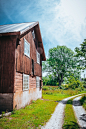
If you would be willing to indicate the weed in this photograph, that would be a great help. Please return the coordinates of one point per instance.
(3, 113)
(83, 101)
(45, 88)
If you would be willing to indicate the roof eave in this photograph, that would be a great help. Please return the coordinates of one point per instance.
(29, 28)
(9, 33)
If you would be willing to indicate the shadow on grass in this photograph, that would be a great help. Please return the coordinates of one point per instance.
(75, 102)
(63, 101)
(72, 125)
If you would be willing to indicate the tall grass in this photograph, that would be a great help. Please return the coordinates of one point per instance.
(83, 101)
(49, 90)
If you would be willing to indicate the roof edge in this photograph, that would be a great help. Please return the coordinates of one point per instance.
(30, 27)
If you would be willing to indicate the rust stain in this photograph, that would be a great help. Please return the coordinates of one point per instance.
(31, 90)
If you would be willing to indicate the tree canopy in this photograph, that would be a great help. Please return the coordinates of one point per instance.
(81, 54)
(60, 62)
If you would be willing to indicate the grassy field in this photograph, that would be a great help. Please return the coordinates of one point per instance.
(38, 112)
(31, 116)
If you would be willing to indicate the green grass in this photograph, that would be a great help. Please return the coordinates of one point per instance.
(83, 101)
(49, 90)
(31, 116)
(38, 112)
(70, 121)
(57, 97)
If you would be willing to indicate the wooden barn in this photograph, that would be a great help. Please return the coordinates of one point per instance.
(21, 56)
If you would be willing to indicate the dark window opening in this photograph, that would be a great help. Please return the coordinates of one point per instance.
(33, 34)
(36, 44)
(32, 66)
(40, 84)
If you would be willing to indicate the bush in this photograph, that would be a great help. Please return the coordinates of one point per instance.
(45, 88)
(64, 86)
(83, 101)
(73, 85)
(84, 84)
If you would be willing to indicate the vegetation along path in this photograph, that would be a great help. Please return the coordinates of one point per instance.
(79, 112)
(56, 121)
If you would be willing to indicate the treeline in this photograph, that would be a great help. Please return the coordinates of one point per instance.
(64, 66)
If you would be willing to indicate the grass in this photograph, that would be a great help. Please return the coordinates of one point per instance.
(83, 101)
(38, 112)
(49, 90)
(31, 116)
(70, 121)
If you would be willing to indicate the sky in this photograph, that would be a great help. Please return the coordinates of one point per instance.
(62, 22)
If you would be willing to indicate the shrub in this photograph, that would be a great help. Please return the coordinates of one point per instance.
(64, 86)
(83, 101)
(84, 84)
(75, 84)
(45, 88)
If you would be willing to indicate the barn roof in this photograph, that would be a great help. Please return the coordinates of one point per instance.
(21, 29)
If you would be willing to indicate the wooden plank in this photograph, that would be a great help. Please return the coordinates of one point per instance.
(7, 61)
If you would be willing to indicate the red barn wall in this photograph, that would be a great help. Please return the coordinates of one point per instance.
(22, 98)
(13, 63)
(24, 63)
(7, 64)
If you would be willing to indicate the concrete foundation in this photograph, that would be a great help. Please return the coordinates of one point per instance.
(18, 100)
(6, 102)
(21, 99)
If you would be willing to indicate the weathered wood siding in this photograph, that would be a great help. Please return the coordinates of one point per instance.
(32, 82)
(7, 62)
(13, 59)
(18, 82)
(38, 70)
(24, 63)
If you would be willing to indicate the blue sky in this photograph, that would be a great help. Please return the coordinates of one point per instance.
(62, 22)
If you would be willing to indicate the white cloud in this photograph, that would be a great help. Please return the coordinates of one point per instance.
(67, 23)
(75, 9)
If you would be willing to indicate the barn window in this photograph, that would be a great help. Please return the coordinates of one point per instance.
(37, 81)
(38, 58)
(26, 48)
(33, 34)
(25, 82)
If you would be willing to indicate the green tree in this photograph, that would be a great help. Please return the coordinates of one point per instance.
(81, 55)
(50, 80)
(45, 80)
(60, 62)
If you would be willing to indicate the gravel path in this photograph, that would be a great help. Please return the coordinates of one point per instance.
(80, 113)
(56, 120)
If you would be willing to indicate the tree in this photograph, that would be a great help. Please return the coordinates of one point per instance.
(50, 80)
(81, 55)
(60, 62)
